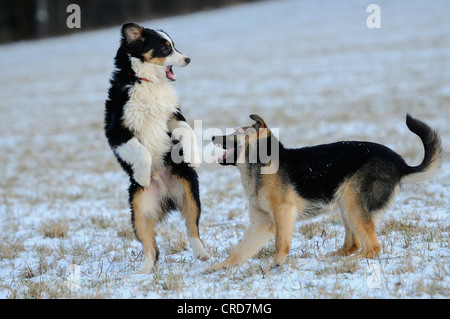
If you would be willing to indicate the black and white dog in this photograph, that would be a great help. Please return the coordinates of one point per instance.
(143, 123)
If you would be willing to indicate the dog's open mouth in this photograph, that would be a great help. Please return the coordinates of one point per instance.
(228, 151)
(169, 74)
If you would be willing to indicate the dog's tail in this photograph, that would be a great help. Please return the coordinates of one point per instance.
(433, 157)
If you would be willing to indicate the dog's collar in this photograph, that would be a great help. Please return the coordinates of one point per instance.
(138, 78)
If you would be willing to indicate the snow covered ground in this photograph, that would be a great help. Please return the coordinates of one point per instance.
(310, 68)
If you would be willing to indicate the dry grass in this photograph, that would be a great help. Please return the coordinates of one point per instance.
(10, 248)
(54, 229)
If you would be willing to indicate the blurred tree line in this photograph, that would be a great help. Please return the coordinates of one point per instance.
(29, 19)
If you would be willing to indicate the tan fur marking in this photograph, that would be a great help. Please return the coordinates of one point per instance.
(260, 134)
(145, 228)
(263, 133)
(253, 135)
(284, 205)
(259, 232)
(191, 213)
(259, 120)
(148, 56)
(285, 216)
(190, 210)
(273, 188)
(351, 242)
(361, 223)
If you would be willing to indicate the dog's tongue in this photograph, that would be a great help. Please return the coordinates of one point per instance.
(227, 153)
(169, 73)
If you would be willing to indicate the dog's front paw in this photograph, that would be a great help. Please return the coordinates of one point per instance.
(193, 160)
(194, 165)
(220, 266)
(197, 160)
(275, 267)
(146, 268)
(142, 175)
(199, 250)
(203, 256)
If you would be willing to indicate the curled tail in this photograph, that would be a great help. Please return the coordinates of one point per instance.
(433, 150)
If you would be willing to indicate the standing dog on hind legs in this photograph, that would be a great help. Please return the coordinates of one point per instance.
(361, 178)
(143, 123)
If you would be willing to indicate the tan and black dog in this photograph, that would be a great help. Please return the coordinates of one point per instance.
(360, 178)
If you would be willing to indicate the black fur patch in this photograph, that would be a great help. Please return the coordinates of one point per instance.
(318, 171)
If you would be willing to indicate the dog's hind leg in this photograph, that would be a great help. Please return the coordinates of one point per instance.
(351, 242)
(260, 231)
(361, 222)
(145, 205)
(366, 231)
(191, 210)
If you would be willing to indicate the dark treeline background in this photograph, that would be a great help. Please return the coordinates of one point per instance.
(30, 19)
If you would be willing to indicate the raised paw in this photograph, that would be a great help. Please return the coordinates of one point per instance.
(142, 175)
(193, 160)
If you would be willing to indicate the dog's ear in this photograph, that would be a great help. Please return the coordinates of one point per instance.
(131, 32)
(259, 121)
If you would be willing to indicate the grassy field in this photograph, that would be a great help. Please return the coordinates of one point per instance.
(314, 71)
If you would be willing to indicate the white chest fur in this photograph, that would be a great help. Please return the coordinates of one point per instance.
(146, 114)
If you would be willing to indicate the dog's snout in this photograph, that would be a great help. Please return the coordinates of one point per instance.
(213, 138)
(187, 60)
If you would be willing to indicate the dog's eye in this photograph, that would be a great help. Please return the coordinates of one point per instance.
(166, 49)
